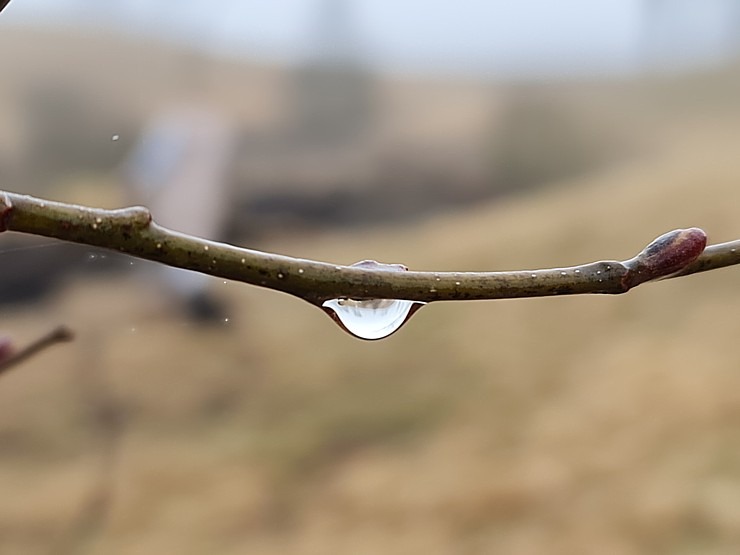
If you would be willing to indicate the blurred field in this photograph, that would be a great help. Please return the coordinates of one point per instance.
(559, 426)
(571, 425)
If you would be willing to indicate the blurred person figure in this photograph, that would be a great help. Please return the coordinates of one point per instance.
(180, 170)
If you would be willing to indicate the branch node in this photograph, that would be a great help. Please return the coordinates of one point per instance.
(138, 217)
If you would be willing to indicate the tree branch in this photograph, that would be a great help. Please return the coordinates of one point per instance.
(60, 334)
(132, 231)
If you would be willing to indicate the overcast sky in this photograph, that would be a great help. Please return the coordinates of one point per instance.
(497, 36)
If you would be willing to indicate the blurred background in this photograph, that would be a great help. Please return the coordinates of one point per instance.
(193, 415)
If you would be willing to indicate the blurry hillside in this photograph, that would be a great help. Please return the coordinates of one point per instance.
(425, 143)
(560, 426)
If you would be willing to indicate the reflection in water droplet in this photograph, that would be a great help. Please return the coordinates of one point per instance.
(371, 319)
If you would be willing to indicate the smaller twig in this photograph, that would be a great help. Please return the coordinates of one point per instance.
(60, 334)
(3, 3)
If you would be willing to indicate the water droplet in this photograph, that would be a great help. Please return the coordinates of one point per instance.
(244, 261)
(280, 276)
(576, 271)
(159, 245)
(598, 272)
(205, 247)
(457, 283)
(300, 270)
(372, 318)
(115, 137)
(563, 273)
(95, 226)
(608, 268)
(432, 290)
(533, 276)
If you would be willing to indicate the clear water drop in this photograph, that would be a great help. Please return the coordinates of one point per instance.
(372, 318)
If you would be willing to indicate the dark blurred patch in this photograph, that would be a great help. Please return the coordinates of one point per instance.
(68, 130)
(542, 137)
(32, 268)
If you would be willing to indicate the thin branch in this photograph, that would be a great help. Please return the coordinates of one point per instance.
(132, 231)
(60, 334)
(3, 3)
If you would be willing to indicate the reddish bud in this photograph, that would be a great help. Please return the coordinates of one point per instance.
(668, 254)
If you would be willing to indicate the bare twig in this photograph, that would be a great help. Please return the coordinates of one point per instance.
(132, 231)
(3, 3)
(60, 334)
